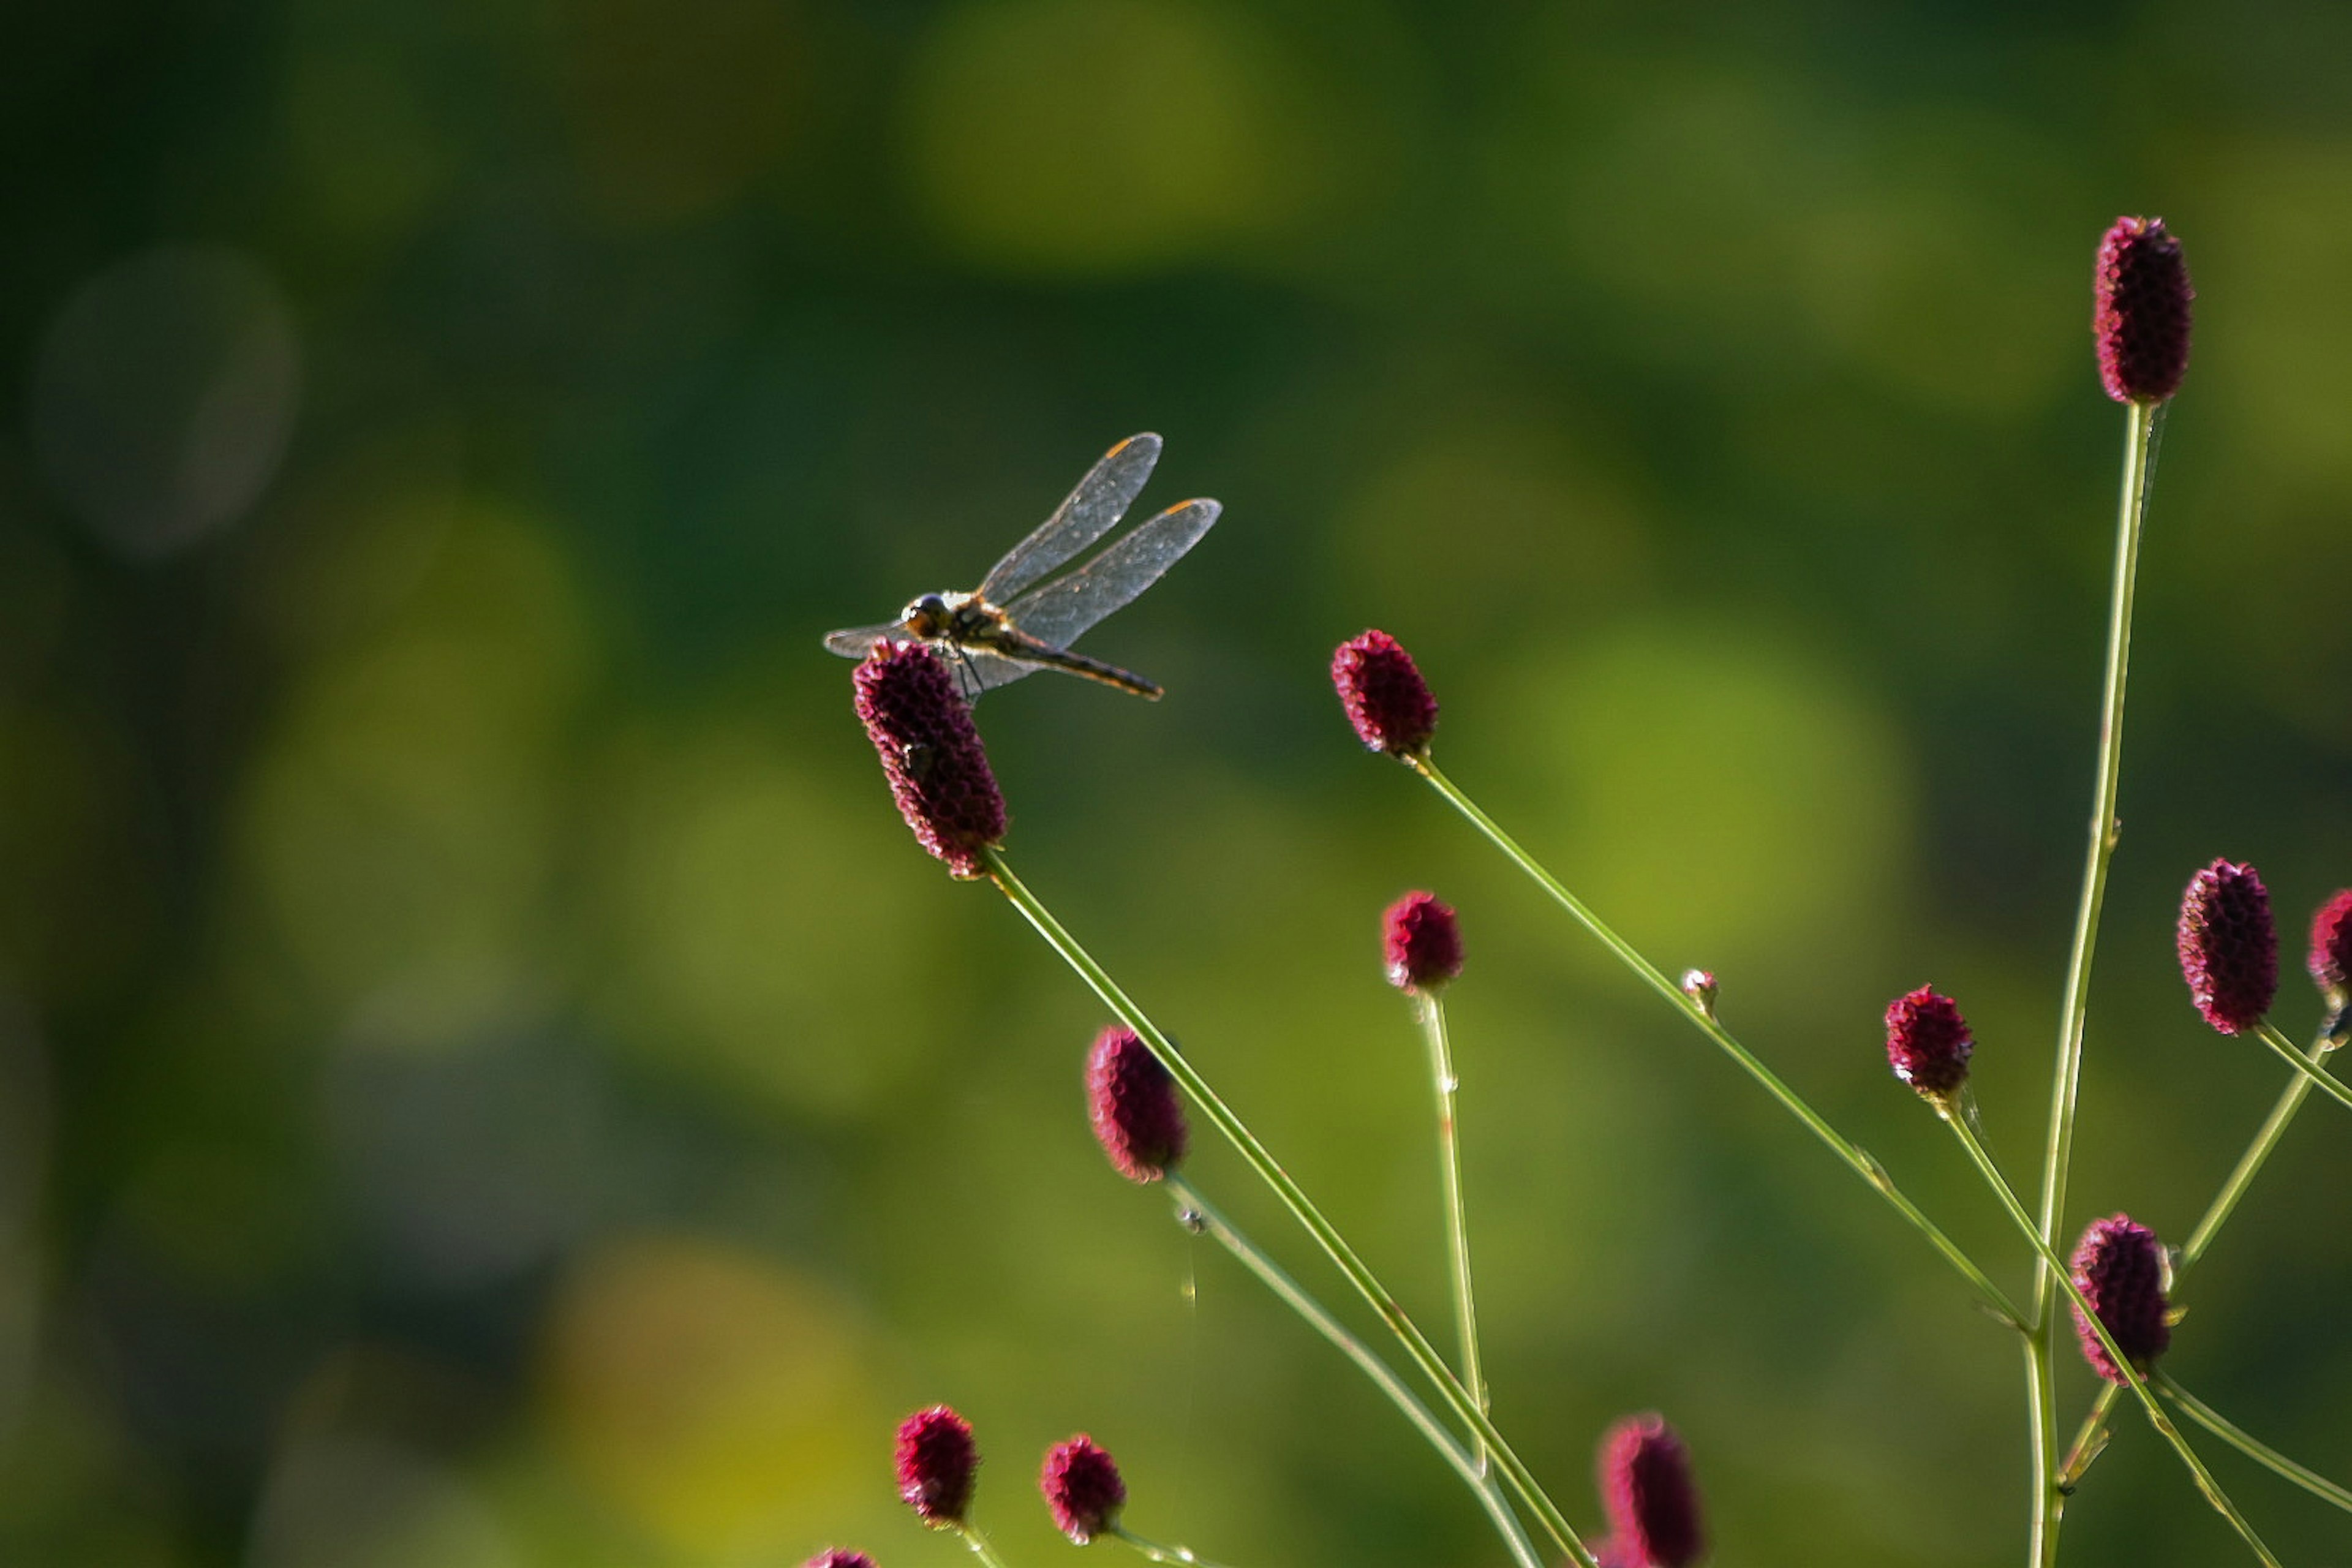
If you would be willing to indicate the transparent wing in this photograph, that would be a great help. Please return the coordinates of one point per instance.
(1062, 609)
(1086, 514)
(859, 641)
(985, 670)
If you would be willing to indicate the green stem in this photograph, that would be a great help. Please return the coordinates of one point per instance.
(1335, 1246)
(1195, 1212)
(2156, 1416)
(2263, 1454)
(980, 1546)
(1178, 1556)
(1431, 1005)
(2041, 1415)
(1855, 1157)
(2059, 1152)
(2307, 1066)
(2090, 1440)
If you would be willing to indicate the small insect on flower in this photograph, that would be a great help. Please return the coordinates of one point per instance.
(1652, 1501)
(1422, 942)
(931, 755)
(2229, 948)
(937, 1465)
(2119, 1268)
(1022, 617)
(1082, 1485)
(1929, 1043)
(1132, 1101)
(1386, 698)
(2140, 313)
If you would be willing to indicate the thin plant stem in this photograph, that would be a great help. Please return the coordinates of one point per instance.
(2307, 1066)
(2156, 1416)
(1430, 1007)
(2041, 1416)
(1859, 1160)
(980, 1546)
(1195, 1212)
(1178, 1556)
(2083, 1454)
(1335, 1246)
(2262, 1452)
(2066, 1079)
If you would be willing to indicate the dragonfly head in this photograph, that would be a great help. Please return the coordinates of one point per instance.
(925, 618)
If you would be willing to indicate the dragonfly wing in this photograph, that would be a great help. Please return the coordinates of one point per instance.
(985, 670)
(1062, 609)
(1084, 515)
(859, 641)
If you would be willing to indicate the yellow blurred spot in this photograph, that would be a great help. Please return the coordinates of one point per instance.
(1726, 800)
(1087, 135)
(399, 827)
(752, 943)
(722, 1401)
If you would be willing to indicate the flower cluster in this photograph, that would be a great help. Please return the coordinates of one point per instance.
(1132, 1101)
(1386, 698)
(1647, 1492)
(2140, 314)
(2120, 1268)
(1929, 1043)
(1422, 942)
(931, 755)
(2229, 948)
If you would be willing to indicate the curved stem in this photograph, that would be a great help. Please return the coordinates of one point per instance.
(1430, 1007)
(1335, 1246)
(1858, 1159)
(2156, 1416)
(2058, 1152)
(980, 1546)
(1178, 1556)
(1195, 1212)
(2307, 1066)
(2263, 1454)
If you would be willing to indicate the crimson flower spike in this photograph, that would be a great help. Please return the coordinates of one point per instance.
(1082, 1485)
(2331, 948)
(1422, 942)
(1132, 1101)
(931, 755)
(938, 1464)
(2119, 1266)
(1929, 1043)
(1652, 1501)
(1386, 698)
(2140, 314)
(2229, 948)
(839, 1557)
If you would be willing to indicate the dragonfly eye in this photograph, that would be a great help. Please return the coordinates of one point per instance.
(925, 615)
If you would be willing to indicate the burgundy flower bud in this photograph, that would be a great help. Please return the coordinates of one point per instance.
(1138, 1118)
(938, 772)
(1081, 1484)
(937, 1464)
(1699, 986)
(1386, 698)
(839, 1557)
(1929, 1043)
(2229, 948)
(1646, 1486)
(1424, 943)
(2331, 944)
(2119, 1269)
(2141, 313)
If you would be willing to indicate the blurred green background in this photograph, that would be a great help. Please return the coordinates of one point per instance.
(487, 1080)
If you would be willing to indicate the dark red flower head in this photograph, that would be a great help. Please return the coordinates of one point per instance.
(1424, 943)
(2119, 1268)
(1646, 1486)
(2229, 948)
(1138, 1118)
(1927, 1042)
(2141, 312)
(938, 772)
(1082, 1485)
(2331, 945)
(839, 1557)
(937, 1464)
(1386, 698)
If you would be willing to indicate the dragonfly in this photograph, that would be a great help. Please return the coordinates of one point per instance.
(1028, 610)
